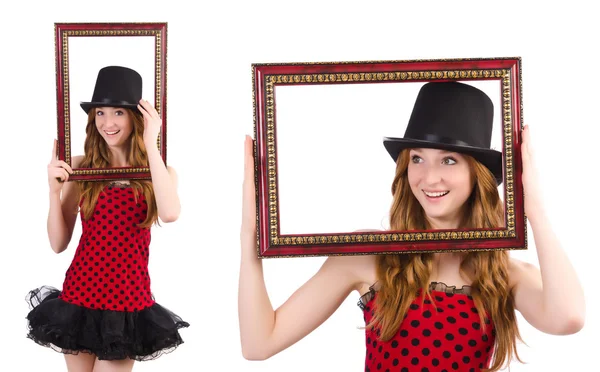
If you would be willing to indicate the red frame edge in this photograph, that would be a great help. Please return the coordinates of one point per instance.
(59, 28)
(266, 250)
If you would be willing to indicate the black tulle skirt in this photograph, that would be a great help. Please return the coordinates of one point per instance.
(110, 335)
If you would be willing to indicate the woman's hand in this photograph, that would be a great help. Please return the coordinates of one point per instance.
(531, 189)
(164, 180)
(248, 232)
(540, 294)
(64, 198)
(152, 123)
(58, 172)
(264, 331)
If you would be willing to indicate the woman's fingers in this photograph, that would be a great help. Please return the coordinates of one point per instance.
(54, 154)
(60, 174)
(249, 198)
(145, 113)
(65, 175)
(61, 164)
(65, 166)
(148, 108)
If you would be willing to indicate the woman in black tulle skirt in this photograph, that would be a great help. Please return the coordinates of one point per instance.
(105, 316)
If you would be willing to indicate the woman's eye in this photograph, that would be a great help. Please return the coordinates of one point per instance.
(118, 112)
(416, 159)
(99, 113)
(449, 161)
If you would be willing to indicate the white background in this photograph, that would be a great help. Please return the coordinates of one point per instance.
(330, 137)
(87, 55)
(195, 261)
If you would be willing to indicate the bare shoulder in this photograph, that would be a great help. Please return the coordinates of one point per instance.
(76, 160)
(361, 269)
(172, 173)
(519, 270)
(355, 263)
(516, 266)
(71, 189)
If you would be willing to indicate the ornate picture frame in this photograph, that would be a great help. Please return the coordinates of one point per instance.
(267, 78)
(154, 37)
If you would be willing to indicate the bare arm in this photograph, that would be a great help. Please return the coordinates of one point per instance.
(64, 198)
(164, 179)
(265, 332)
(550, 298)
(164, 182)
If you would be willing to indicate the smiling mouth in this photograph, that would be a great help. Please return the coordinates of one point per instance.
(435, 194)
(112, 133)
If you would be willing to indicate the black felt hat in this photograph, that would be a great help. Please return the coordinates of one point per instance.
(116, 86)
(451, 116)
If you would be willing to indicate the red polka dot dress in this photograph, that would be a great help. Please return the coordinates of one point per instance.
(106, 306)
(442, 336)
(110, 267)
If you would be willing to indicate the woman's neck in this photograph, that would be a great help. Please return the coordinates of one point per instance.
(452, 222)
(443, 223)
(118, 157)
(447, 269)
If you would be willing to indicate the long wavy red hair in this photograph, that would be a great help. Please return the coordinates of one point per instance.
(401, 276)
(98, 155)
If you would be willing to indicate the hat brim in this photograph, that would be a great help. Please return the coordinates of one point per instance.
(87, 106)
(492, 159)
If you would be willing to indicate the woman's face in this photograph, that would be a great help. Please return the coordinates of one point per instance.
(442, 182)
(114, 125)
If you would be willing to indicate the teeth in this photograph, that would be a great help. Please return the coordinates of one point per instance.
(435, 194)
(111, 133)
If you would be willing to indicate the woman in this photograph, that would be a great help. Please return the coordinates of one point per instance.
(105, 316)
(429, 311)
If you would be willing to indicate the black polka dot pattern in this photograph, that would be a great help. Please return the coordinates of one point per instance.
(445, 334)
(110, 267)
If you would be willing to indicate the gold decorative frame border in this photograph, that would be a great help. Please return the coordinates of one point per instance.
(65, 34)
(504, 75)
